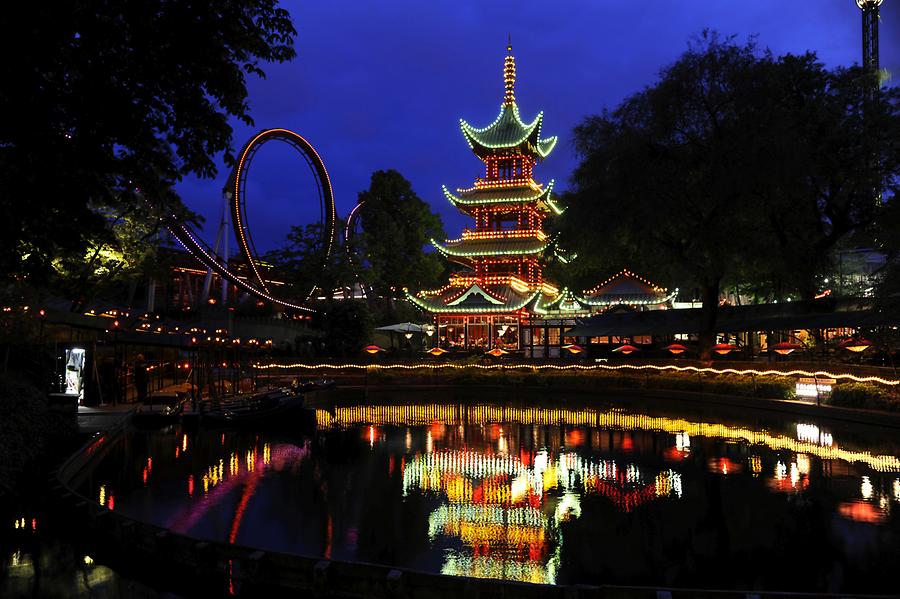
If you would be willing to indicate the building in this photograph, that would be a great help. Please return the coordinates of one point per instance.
(501, 299)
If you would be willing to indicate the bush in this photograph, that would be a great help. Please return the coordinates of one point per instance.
(864, 395)
(26, 424)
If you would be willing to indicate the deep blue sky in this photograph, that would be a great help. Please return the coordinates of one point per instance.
(378, 85)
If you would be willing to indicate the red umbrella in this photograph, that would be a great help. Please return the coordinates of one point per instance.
(372, 349)
(724, 349)
(675, 348)
(785, 347)
(627, 349)
(497, 352)
(437, 351)
(575, 349)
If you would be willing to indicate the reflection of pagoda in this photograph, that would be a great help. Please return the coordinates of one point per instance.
(503, 253)
(505, 510)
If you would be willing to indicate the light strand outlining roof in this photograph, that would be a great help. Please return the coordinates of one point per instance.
(539, 193)
(503, 309)
(534, 248)
(627, 273)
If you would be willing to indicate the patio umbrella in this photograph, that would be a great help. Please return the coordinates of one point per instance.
(723, 349)
(675, 348)
(856, 344)
(626, 349)
(785, 347)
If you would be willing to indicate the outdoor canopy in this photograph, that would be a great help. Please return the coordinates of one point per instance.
(403, 327)
(732, 319)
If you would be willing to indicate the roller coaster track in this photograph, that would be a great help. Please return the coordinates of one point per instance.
(254, 284)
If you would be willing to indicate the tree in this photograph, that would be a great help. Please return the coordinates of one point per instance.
(107, 105)
(346, 325)
(396, 226)
(302, 263)
(726, 171)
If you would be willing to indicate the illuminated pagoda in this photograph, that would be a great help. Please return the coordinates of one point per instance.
(503, 284)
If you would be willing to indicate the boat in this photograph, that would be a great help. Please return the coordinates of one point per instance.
(313, 385)
(159, 409)
(280, 406)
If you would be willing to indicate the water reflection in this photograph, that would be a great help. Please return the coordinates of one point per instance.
(524, 493)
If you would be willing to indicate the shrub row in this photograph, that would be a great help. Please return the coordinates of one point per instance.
(865, 395)
(767, 387)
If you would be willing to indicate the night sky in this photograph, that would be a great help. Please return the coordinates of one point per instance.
(378, 85)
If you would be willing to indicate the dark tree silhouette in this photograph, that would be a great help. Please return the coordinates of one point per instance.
(108, 104)
(734, 167)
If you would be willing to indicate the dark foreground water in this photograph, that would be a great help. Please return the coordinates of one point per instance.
(607, 494)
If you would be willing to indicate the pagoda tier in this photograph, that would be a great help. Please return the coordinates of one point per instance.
(485, 198)
(508, 133)
(496, 294)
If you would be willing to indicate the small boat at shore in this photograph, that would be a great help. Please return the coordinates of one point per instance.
(160, 409)
(280, 406)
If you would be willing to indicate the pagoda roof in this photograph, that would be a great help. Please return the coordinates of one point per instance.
(626, 288)
(474, 298)
(508, 132)
(500, 246)
(521, 194)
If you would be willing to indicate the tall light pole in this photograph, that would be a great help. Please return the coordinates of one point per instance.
(869, 10)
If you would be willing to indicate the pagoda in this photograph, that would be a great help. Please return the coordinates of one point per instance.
(501, 286)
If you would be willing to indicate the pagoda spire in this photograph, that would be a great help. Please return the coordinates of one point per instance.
(509, 75)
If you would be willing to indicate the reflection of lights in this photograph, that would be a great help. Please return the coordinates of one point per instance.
(897, 489)
(458, 563)
(795, 474)
(101, 498)
(407, 415)
(519, 487)
(756, 465)
(184, 443)
(429, 442)
(866, 488)
(780, 470)
(668, 482)
(569, 507)
(860, 511)
(803, 463)
(682, 441)
(88, 560)
(811, 434)
(371, 437)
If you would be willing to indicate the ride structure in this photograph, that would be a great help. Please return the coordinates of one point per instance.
(870, 19)
(253, 282)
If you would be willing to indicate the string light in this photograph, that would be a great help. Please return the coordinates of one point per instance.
(589, 367)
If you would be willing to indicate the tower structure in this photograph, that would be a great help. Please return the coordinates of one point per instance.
(870, 17)
(502, 252)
